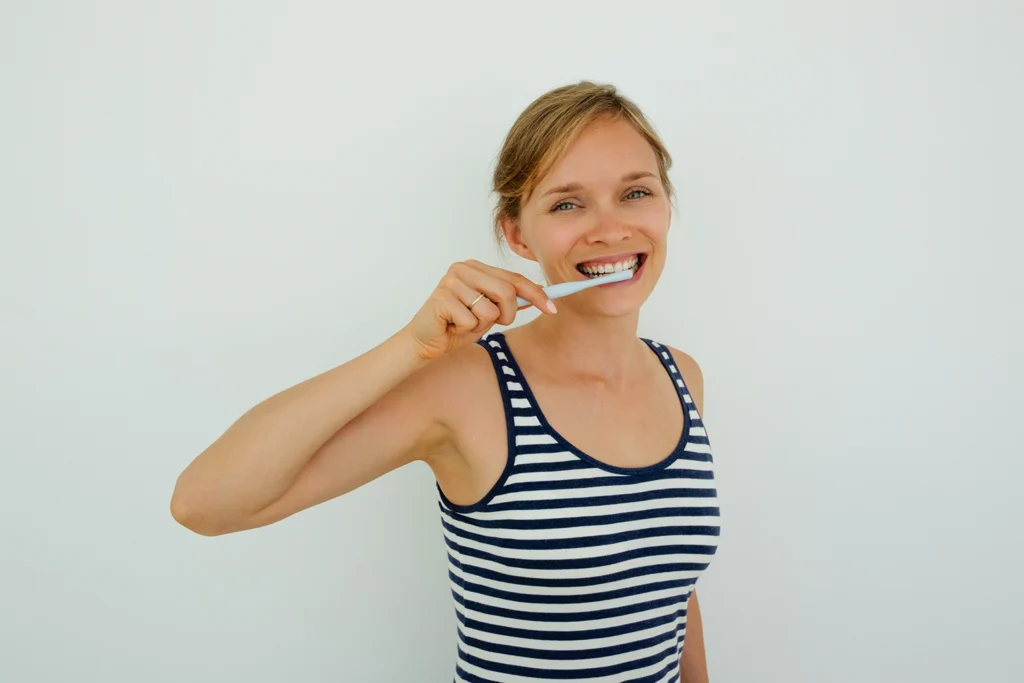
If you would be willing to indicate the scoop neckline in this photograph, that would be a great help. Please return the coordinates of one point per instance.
(580, 453)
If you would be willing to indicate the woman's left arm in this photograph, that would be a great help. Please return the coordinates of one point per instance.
(693, 666)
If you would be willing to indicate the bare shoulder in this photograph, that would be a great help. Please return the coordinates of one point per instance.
(462, 372)
(455, 383)
(692, 375)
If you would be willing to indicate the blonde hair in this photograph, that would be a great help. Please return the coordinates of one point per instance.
(546, 128)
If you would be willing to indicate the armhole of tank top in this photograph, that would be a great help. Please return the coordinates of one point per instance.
(506, 404)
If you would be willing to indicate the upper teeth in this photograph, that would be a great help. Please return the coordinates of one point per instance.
(602, 268)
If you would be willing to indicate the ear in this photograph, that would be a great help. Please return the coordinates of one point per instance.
(514, 238)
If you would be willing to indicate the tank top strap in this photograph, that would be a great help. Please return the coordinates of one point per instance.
(697, 431)
(512, 384)
(665, 356)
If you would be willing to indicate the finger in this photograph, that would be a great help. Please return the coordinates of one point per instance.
(524, 287)
(501, 292)
(484, 309)
(477, 302)
(455, 312)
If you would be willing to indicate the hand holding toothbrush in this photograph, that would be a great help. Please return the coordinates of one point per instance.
(472, 297)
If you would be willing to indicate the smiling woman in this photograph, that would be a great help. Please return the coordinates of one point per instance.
(575, 480)
(602, 204)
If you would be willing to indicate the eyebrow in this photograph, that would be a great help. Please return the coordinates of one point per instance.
(574, 187)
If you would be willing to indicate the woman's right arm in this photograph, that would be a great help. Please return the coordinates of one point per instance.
(339, 430)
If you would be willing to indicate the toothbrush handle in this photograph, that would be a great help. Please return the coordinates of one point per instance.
(571, 287)
(557, 291)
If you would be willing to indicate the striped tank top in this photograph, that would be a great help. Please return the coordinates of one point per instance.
(573, 569)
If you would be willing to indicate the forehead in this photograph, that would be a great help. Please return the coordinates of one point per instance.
(602, 153)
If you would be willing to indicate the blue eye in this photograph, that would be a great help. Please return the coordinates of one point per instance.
(641, 193)
(558, 207)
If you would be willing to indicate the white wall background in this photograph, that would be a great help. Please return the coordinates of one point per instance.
(203, 203)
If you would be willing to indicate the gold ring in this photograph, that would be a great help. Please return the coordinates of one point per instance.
(476, 301)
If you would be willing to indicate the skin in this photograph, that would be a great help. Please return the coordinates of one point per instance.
(429, 393)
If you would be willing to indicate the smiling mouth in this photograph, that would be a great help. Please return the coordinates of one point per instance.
(592, 270)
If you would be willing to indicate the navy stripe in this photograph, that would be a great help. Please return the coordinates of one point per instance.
(549, 448)
(583, 562)
(562, 466)
(656, 677)
(621, 480)
(577, 582)
(583, 541)
(593, 520)
(591, 653)
(470, 678)
(581, 634)
(597, 501)
(570, 598)
(564, 617)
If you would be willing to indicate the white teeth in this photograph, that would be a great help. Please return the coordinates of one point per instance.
(604, 268)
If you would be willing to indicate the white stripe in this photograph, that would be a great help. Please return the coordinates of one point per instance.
(516, 386)
(588, 572)
(601, 551)
(558, 475)
(617, 490)
(566, 626)
(535, 458)
(694, 415)
(697, 447)
(502, 356)
(534, 439)
(688, 464)
(507, 370)
(526, 421)
(698, 431)
(597, 510)
(526, 589)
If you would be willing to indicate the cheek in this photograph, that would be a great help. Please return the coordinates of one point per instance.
(553, 239)
(656, 222)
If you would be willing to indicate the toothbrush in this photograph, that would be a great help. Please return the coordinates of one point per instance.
(566, 288)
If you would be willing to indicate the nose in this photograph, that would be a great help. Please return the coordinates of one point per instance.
(608, 228)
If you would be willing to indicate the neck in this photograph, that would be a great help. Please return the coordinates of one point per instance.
(603, 349)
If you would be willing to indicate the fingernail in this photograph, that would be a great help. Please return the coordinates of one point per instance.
(551, 306)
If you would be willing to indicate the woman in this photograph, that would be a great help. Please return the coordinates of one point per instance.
(573, 471)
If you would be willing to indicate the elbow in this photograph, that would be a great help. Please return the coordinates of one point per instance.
(191, 516)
